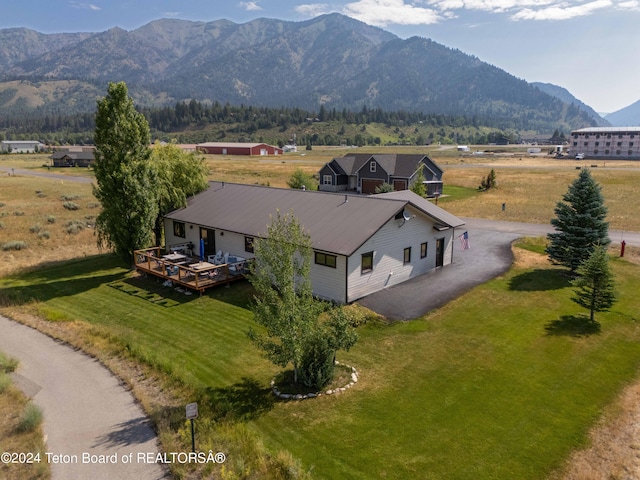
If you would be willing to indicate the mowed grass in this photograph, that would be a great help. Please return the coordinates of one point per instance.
(499, 384)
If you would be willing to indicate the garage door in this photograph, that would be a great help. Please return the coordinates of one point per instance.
(369, 186)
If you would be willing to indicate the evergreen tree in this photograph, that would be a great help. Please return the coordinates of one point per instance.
(418, 186)
(580, 223)
(300, 179)
(126, 182)
(596, 290)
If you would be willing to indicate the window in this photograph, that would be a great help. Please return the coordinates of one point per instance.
(366, 264)
(372, 167)
(423, 250)
(327, 180)
(325, 259)
(597, 143)
(619, 144)
(608, 144)
(248, 244)
(575, 144)
(586, 144)
(631, 144)
(407, 255)
(178, 229)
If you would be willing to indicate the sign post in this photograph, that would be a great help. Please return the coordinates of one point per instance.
(192, 413)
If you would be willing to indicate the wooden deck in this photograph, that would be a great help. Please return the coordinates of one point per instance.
(188, 272)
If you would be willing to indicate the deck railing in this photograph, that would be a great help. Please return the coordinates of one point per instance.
(189, 272)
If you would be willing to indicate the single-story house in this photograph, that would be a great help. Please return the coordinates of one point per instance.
(221, 148)
(361, 244)
(21, 146)
(363, 173)
(72, 158)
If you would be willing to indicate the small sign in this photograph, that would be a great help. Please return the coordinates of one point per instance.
(192, 411)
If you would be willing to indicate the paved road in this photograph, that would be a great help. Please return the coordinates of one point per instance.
(54, 176)
(86, 409)
(489, 256)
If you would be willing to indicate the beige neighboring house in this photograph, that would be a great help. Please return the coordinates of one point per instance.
(361, 244)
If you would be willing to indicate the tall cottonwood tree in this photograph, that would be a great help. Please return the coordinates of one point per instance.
(580, 223)
(126, 182)
(180, 175)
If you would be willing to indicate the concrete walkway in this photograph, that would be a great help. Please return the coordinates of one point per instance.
(86, 410)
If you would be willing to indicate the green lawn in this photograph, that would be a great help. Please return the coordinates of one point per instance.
(498, 384)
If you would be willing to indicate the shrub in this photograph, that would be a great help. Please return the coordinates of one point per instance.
(51, 219)
(384, 188)
(71, 206)
(7, 364)
(93, 205)
(30, 419)
(18, 213)
(14, 245)
(317, 367)
(1, 225)
(35, 228)
(68, 198)
(40, 194)
(44, 235)
(2, 204)
(73, 227)
(5, 381)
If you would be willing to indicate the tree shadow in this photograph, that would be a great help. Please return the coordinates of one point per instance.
(245, 400)
(132, 432)
(540, 280)
(573, 326)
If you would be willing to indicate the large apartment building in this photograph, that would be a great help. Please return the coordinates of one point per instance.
(615, 143)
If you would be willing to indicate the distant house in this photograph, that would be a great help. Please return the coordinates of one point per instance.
(21, 146)
(220, 148)
(73, 158)
(363, 173)
(361, 244)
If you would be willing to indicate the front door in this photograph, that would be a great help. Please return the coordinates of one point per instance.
(439, 252)
(208, 237)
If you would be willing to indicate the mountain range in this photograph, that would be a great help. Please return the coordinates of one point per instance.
(331, 60)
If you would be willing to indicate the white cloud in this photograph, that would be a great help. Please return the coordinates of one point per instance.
(426, 12)
(313, 9)
(250, 6)
(562, 11)
(171, 14)
(86, 6)
(630, 5)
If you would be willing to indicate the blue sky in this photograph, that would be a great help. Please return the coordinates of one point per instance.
(590, 47)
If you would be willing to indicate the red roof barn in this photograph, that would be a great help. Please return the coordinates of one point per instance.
(238, 148)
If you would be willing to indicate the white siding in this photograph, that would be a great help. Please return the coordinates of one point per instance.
(330, 283)
(388, 246)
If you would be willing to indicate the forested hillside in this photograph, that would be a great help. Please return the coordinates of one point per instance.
(331, 61)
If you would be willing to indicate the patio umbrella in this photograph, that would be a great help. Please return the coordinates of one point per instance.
(202, 249)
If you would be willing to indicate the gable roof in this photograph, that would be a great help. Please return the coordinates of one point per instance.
(60, 154)
(395, 164)
(337, 223)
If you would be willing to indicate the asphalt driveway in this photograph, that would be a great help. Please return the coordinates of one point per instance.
(489, 256)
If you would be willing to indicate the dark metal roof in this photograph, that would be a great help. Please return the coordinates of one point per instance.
(337, 223)
(88, 155)
(395, 164)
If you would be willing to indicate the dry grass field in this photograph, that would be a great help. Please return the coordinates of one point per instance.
(32, 208)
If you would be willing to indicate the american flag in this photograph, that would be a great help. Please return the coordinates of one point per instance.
(464, 241)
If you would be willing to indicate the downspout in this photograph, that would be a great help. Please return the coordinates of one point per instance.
(346, 279)
(452, 239)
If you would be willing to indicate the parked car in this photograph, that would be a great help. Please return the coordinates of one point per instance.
(580, 156)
